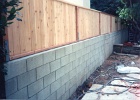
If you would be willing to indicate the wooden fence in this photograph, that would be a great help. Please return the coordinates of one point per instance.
(50, 23)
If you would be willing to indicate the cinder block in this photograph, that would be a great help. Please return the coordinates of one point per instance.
(43, 94)
(86, 57)
(92, 47)
(72, 82)
(66, 95)
(52, 97)
(15, 68)
(68, 67)
(80, 60)
(68, 49)
(49, 56)
(76, 47)
(26, 78)
(84, 51)
(65, 78)
(65, 60)
(21, 94)
(86, 43)
(55, 65)
(11, 86)
(83, 79)
(60, 53)
(67, 86)
(88, 62)
(33, 97)
(49, 79)
(75, 63)
(83, 65)
(60, 72)
(60, 98)
(35, 87)
(73, 89)
(34, 62)
(43, 71)
(78, 53)
(56, 85)
(72, 56)
(60, 91)
(73, 73)
(78, 68)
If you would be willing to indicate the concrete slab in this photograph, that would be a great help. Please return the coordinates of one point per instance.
(137, 76)
(110, 89)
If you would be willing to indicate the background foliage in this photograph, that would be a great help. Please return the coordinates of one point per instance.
(127, 10)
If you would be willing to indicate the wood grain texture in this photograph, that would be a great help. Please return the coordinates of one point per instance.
(88, 23)
(50, 23)
(105, 23)
(45, 24)
(114, 24)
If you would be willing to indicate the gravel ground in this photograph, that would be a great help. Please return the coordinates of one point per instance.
(98, 76)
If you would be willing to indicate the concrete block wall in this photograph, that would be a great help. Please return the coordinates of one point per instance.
(55, 74)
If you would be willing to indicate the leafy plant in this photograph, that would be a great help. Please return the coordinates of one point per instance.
(9, 10)
(130, 15)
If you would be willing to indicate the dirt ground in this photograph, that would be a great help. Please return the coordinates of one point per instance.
(104, 73)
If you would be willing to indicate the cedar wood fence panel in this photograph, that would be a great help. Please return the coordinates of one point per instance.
(50, 23)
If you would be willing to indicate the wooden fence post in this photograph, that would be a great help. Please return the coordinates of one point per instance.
(99, 23)
(110, 24)
(77, 27)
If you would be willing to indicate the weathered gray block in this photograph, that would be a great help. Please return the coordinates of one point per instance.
(56, 85)
(65, 60)
(26, 78)
(43, 71)
(86, 43)
(21, 94)
(73, 73)
(76, 47)
(60, 53)
(43, 94)
(11, 86)
(49, 79)
(34, 62)
(55, 65)
(76, 63)
(15, 68)
(35, 87)
(60, 98)
(81, 60)
(49, 56)
(72, 82)
(72, 57)
(66, 95)
(60, 72)
(69, 67)
(88, 62)
(78, 53)
(65, 78)
(88, 49)
(73, 89)
(52, 97)
(60, 91)
(68, 49)
(33, 97)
